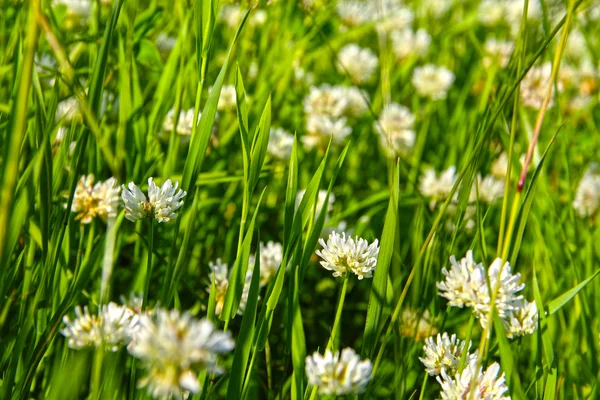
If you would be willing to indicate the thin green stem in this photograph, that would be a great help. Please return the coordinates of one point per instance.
(149, 266)
(338, 314)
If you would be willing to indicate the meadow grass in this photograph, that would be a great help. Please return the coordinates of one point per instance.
(193, 92)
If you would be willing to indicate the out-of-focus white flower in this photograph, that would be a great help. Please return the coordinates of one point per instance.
(321, 195)
(577, 45)
(432, 81)
(587, 197)
(500, 166)
(359, 63)
(338, 375)
(232, 15)
(321, 128)
(46, 65)
(253, 70)
(497, 52)
(185, 123)
(416, 324)
(300, 75)
(357, 101)
(493, 12)
(75, 8)
(161, 203)
(437, 188)
(95, 200)
(68, 110)
(259, 17)
(343, 254)
(221, 275)
(165, 43)
(392, 15)
(395, 128)
(354, 12)
(112, 327)
(227, 98)
(444, 353)
(271, 256)
(534, 86)
(407, 43)
(435, 8)
(174, 347)
(488, 386)
(488, 189)
(280, 143)
(522, 321)
(490, 12)
(325, 100)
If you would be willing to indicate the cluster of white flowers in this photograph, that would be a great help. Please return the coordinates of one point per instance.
(534, 86)
(112, 328)
(327, 108)
(407, 43)
(443, 353)
(335, 374)
(95, 200)
(432, 81)
(161, 203)
(497, 52)
(221, 275)
(437, 188)
(416, 325)
(395, 127)
(354, 12)
(587, 197)
(343, 255)
(280, 143)
(387, 15)
(488, 189)
(75, 8)
(185, 122)
(68, 110)
(474, 383)
(357, 62)
(271, 256)
(509, 12)
(466, 285)
(173, 347)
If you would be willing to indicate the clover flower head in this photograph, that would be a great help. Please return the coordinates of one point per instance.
(325, 100)
(95, 200)
(534, 86)
(488, 190)
(444, 352)
(521, 322)
(359, 63)
(395, 127)
(437, 188)
(271, 256)
(221, 275)
(587, 197)
(488, 386)
(173, 347)
(343, 255)
(357, 102)
(415, 324)
(185, 123)
(432, 81)
(161, 202)
(408, 43)
(321, 128)
(280, 144)
(465, 283)
(497, 52)
(227, 98)
(335, 374)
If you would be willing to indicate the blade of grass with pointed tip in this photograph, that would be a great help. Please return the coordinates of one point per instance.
(259, 145)
(564, 298)
(380, 279)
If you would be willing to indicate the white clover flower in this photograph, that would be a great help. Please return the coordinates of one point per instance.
(320, 129)
(75, 8)
(165, 43)
(325, 100)
(232, 15)
(392, 15)
(95, 200)
(343, 254)
(45, 64)
(300, 75)
(507, 298)
(280, 143)
(173, 347)
(587, 197)
(522, 322)
(271, 256)
(185, 123)
(432, 81)
(357, 101)
(437, 188)
(165, 200)
(488, 190)
(112, 327)
(514, 13)
(357, 62)
(407, 43)
(395, 127)
(488, 386)
(415, 324)
(227, 98)
(490, 12)
(259, 17)
(354, 12)
(534, 86)
(161, 203)
(68, 110)
(435, 8)
(500, 166)
(338, 375)
(221, 275)
(443, 353)
(497, 52)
